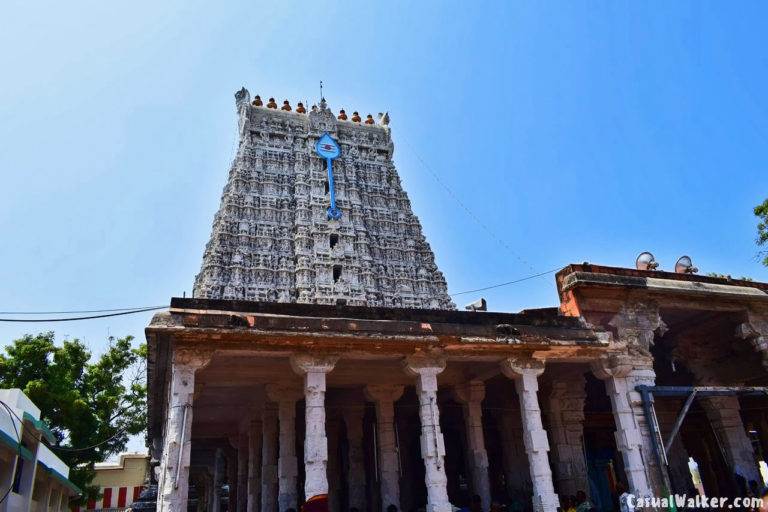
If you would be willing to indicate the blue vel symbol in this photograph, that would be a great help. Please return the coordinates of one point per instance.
(327, 148)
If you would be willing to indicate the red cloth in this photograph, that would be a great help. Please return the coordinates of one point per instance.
(317, 503)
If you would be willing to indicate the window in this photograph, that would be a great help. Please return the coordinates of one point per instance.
(334, 240)
(336, 273)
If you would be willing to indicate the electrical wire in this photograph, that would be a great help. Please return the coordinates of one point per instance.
(464, 207)
(75, 312)
(131, 311)
(507, 283)
(18, 441)
(72, 319)
(65, 449)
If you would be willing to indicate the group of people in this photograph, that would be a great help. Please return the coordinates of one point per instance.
(575, 503)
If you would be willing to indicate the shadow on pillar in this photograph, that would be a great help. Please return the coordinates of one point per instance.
(413, 491)
(301, 429)
(605, 467)
(456, 467)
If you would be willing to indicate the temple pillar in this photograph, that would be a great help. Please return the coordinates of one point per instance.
(233, 462)
(725, 417)
(517, 476)
(173, 481)
(471, 395)
(566, 426)
(269, 460)
(314, 370)
(219, 468)
(385, 396)
(242, 472)
(633, 437)
(525, 373)
(287, 468)
(333, 426)
(426, 369)
(353, 420)
(209, 489)
(254, 466)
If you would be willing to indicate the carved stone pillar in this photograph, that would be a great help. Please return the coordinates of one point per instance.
(525, 372)
(566, 426)
(622, 374)
(233, 463)
(173, 483)
(210, 489)
(219, 467)
(335, 477)
(353, 420)
(754, 329)
(471, 395)
(254, 466)
(516, 473)
(389, 465)
(426, 369)
(314, 370)
(269, 460)
(725, 417)
(242, 472)
(287, 468)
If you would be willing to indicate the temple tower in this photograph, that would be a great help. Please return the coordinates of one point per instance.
(288, 230)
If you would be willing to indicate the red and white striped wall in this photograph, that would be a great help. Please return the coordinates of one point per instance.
(114, 498)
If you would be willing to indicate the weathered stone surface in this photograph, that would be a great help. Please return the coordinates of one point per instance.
(471, 395)
(353, 420)
(269, 460)
(254, 465)
(385, 396)
(622, 375)
(566, 425)
(272, 240)
(242, 472)
(525, 372)
(426, 368)
(287, 465)
(724, 414)
(314, 369)
(173, 484)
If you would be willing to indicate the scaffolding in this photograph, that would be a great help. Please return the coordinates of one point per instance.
(660, 446)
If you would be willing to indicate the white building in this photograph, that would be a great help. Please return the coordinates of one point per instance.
(32, 477)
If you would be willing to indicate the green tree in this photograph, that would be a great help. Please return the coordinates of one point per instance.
(761, 211)
(91, 404)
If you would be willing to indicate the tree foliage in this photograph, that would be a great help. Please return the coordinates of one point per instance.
(761, 211)
(90, 403)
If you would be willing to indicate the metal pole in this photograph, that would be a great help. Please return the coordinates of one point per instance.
(181, 446)
(376, 451)
(679, 421)
(650, 416)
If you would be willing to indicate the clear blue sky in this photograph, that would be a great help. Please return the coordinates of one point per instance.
(575, 131)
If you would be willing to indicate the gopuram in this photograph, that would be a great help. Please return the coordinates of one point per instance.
(321, 356)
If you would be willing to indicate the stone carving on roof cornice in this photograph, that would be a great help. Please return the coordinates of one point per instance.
(636, 324)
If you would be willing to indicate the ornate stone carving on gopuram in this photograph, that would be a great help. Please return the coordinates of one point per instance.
(274, 237)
